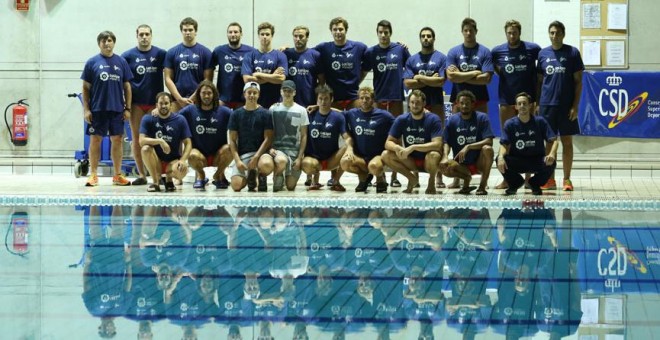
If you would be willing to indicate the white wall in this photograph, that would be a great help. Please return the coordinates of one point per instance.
(43, 51)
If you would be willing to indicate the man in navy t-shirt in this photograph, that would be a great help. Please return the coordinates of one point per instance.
(265, 66)
(326, 127)
(208, 121)
(250, 137)
(560, 69)
(304, 67)
(229, 59)
(368, 128)
(342, 60)
(387, 61)
(161, 137)
(106, 100)
(470, 67)
(522, 148)
(186, 65)
(470, 138)
(414, 143)
(146, 62)
(515, 64)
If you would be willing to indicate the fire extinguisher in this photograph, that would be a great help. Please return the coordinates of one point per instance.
(20, 230)
(19, 129)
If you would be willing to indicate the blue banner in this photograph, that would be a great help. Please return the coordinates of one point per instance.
(620, 104)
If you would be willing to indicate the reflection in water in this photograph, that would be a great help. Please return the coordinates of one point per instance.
(510, 274)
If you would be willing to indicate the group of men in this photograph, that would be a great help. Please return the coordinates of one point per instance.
(303, 110)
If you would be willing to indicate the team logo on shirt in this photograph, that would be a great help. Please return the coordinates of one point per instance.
(229, 67)
(381, 67)
(508, 311)
(293, 71)
(183, 65)
(140, 70)
(464, 66)
(141, 302)
(460, 140)
(229, 305)
(358, 130)
(104, 76)
(257, 69)
(315, 133)
(159, 134)
(410, 140)
(200, 129)
(509, 68)
(336, 65)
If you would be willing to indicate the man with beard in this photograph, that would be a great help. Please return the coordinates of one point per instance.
(229, 59)
(304, 67)
(208, 126)
(470, 138)
(414, 143)
(161, 137)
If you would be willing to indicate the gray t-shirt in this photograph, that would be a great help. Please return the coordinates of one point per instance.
(286, 125)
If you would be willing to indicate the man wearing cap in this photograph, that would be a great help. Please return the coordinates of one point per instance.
(290, 123)
(250, 137)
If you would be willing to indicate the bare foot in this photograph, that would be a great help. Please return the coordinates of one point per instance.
(502, 185)
(431, 191)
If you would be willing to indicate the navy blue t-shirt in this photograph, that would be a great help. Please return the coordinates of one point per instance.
(208, 128)
(527, 139)
(268, 62)
(147, 68)
(388, 65)
(304, 70)
(342, 66)
(460, 132)
(369, 131)
(557, 68)
(470, 59)
(107, 76)
(173, 129)
(323, 133)
(428, 65)
(517, 70)
(188, 65)
(250, 126)
(416, 131)
(230, 81)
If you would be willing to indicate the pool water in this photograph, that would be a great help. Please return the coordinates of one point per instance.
(234, 272)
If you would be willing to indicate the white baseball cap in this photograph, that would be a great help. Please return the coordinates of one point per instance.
(251, 84)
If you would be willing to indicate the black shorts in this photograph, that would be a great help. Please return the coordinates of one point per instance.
(557, 117)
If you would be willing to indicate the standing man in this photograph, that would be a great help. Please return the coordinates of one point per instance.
(326, 126)
(290, 123)
(146, 62)
(265, 66)
(560, 86)
(304, 67)
(161, 137)
(426, 71)
(229, 59)
(470, 67)
(515, 64)
(186, 65)
(208, 121)
(342, 60)
(522, 148)
(106, 100)
(368, 128)
(414, 143)
(470, 138)
(387, 61)
(250, 137)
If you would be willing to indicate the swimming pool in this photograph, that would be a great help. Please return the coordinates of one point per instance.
(409, 269)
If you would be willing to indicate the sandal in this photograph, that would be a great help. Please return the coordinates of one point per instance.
(337, 187)
(315, 186)
(153, 188)
(169, 187)
(466, 191)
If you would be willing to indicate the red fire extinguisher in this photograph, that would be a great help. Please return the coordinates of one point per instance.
(20, 228)
(19, 129)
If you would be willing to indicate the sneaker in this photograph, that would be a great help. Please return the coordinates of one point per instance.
(170, 187)
(92, 181)
(331, 182)
(252, 180)
(221, 183)
(382, 187)
(362, 186)
(568, 185)
(139, 181)
(536, 191)
(263, 184)
(393, 183)
(551, 184)
(200, 184)
(120, 180)
(278, 183)
(308, 182)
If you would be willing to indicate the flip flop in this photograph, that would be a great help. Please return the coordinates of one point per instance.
(466, 191)
(481, 192)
